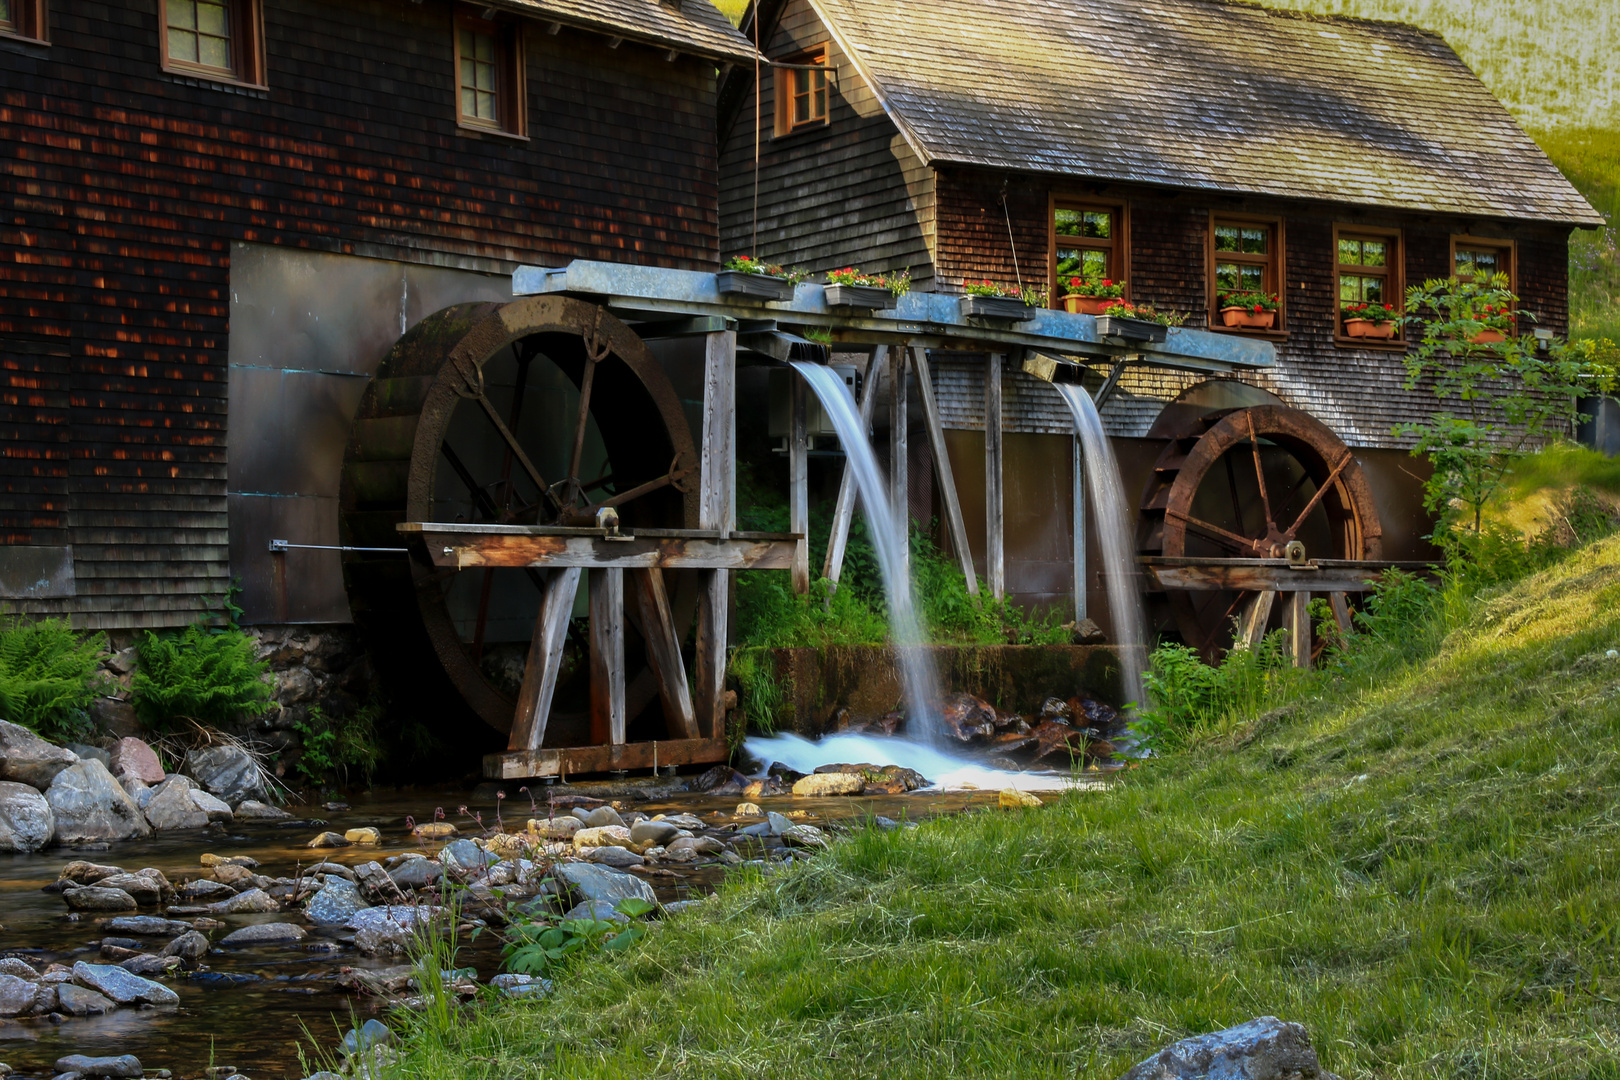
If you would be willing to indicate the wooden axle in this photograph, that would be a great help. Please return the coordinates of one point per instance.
(461, 546)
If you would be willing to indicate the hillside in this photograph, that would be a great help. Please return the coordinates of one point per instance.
(1416, 860)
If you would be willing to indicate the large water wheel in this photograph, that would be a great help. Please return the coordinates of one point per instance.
(543, 411)
(1260, 481)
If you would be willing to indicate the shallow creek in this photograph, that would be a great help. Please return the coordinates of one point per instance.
(251, 1007)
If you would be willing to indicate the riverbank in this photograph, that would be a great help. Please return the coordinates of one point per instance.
(1416, 860)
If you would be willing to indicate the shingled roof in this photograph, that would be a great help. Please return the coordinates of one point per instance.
(1206, 94)
(689, 26)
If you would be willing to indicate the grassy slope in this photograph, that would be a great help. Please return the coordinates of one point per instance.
(1418, 863)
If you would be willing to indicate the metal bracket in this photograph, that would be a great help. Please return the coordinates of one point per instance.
(281, 547)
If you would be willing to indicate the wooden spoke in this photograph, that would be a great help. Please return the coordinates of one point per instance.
(1321, 490)
(480, 497)
(1231, 483)
(1260, 476)
(587, 380)
(1288, 500)
(516, 448)
(1230, 540)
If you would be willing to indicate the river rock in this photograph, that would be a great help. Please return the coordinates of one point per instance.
(147, 886)
(964, 717)
(16, 995)
(335, 904)
(11, 965)
(514, 985)
(216, 808)
(227, 771)
(366, 835)
(434, 830)
(779, 823)
(137, 789)
(1012, 799)
(698, 845)
(764, 789)
(89, 805)
(204, 889)
(612, 856)
(146, 926)
(804, 836)
(465, 856)
(650, 833)
(821, 784)
(96, 898)
(126, 989)
(254, 810)
(125, 1065)
(595, 909)
(371, 1033)
(267, 933)
(132, 757)
(397, 916)
(1262, 1048)
(192, 945)
(88, 873)
(603, 836)
(328, 839)
(748, 809)
(247, 862)
(721, 780)
(78, 1001)
(26, 821)
(171, 807)
(603, 815)
(682, 821)
(25, 758)
(416, 874)
(591, 882)
(562, 828)
(254, 901)
(151, 966)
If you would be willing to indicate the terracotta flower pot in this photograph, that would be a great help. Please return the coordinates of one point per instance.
(1487, 337)
(1247, 319)
(1088, 305)
(1368, 329)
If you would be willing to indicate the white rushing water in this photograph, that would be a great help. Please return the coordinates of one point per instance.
(1110, 513)
(918, 679)
(947, 771)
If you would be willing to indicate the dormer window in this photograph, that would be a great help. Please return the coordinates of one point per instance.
(801, 91)
(490, 86)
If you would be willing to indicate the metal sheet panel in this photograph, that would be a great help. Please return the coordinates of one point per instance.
(297, 586)
(36, 573)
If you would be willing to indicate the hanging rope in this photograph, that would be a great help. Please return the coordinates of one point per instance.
(1007, 214)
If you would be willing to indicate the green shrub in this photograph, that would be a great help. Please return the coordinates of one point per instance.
(48, 676)
(1189, 697)
(201, 674)
(333, 746)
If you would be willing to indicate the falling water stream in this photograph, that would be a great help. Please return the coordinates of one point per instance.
(1112, 518)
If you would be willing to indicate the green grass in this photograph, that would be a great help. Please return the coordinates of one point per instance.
(1416, 860)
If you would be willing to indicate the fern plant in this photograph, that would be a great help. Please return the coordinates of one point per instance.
(210, 676)
(48, 676)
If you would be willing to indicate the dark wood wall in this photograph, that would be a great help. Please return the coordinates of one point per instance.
(123, 187)
(851, 193)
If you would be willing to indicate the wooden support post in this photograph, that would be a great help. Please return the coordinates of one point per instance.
(607, 654)
(799, 481)
(899, 454)
(844, 512)
(664, 653)
(545, 660)
(954, 526)
(1252, 624)
(1341, 613)
(1299, 628)
(716, 510)
(994, 558)
(1079, 527)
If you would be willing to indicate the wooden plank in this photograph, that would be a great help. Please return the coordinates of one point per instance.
(664, 652)
(799, 480)
(717, 457)
(955, 527)
(1341, 612)
(607, 654)
(545, 660)
(711, 653)
(580, 760)
(1299, 628)
(1255, 578)
(1256, 614)
(899, 478)
(844, 511)
(481, 549)
(994, 556)
(1078, 527)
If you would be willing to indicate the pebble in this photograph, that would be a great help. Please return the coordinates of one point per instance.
(1012, 799)
(748, 809)
(328, 839)
(434, 830)
(367, 835)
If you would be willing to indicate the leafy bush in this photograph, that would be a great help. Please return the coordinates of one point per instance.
(1189, 697)
(207, 675)
(48, 676)
(537, 949)
(333, 745)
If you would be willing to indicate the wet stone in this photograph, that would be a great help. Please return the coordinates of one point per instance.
(434, 830)
(125, 1065)
(465, 856)
(648, 833)
(273, 933)
(254, 810)
(592, 882)
(204, 889)
(246, 861)
(96, 898)
(335, 904)
(88, 873)
(367, 835)
(371, 1033)
(121, 986)
(16, 995)
(416, 874)
(151, 966)
(603, 815)
(613, 856)
(192, 946)
(748, 809)
(10, 965)
(778, 823)
(146, 886)
(328, 840)
(254, 900)
(146, 925)
(823, 784)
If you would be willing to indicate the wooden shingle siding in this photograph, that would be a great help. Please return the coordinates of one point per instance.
(122, 189)
(852, 193)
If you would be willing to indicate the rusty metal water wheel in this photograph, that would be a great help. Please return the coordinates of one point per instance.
(1243, 484)
(540, 411)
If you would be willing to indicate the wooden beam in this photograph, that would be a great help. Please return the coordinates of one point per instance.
(717, 457)
(955, 528)
(1079, 529)
(1341, 613)
(545, 660)
(664, 652)
(607, 654)
(1299, 628)
(994, 557)
(711, 653)
(799, 479)
(844, 511)
(463, 551)
(579, 760)
(1260, 577)
(899, 459)
(1256, 614)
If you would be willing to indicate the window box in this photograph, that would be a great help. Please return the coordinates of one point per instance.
(1487, 337)
(1366, 328)
(1244, 318)
(753, 286)
(1131, 329)
(1087, 305)
(995, 307)
(866, 297)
